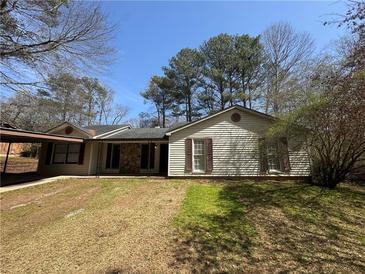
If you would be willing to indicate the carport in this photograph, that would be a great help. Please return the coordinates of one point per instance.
(11, 136)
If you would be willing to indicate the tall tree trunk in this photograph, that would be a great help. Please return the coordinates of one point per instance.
(100, 115)
(64, 111)
(243, 88)
(221, 92)
(163, 117)
(186, 111)
(65, 103)
(231, 99)
(158, 114)
(231, 93)
(249, 98)
(276, 91)
(189, 116)
(90, 105)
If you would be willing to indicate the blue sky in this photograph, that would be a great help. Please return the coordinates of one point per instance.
(149, 33)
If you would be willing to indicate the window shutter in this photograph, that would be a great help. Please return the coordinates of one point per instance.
(284, 154)
(209, 155)
(188, 155)
(49, 153)
(81, 153)
(263, 156)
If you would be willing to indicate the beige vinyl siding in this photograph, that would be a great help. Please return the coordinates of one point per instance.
(93, 159)
(299, 162)
(235, 146)
(64, 169)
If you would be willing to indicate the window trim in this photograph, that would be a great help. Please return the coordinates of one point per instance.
(54, 154)
(271, 145)
(204, 156)
(66, 154)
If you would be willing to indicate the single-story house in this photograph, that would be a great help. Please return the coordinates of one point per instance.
(229, 143)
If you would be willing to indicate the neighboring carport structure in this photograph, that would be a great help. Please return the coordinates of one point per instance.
(11, 135)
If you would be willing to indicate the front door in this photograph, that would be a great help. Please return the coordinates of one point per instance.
(147, 157)
(164, 154)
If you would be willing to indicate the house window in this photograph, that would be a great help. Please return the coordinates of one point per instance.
(148, 156)
(273, 159)
(113, 156)
(73, 154)
(66, 153)
(199, 156)
(60, 153)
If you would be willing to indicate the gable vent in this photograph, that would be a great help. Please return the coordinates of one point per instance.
(236, 117)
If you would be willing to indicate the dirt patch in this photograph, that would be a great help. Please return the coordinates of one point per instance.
(29, 196)
(74, 213)
(25, 211)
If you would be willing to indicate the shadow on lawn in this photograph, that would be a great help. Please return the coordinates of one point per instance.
(218, 239)
(299, 228)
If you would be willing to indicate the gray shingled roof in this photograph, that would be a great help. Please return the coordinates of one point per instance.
(100, 129)
(140, 133)
(177, 125)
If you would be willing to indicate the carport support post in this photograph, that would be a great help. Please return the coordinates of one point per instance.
(6, 159)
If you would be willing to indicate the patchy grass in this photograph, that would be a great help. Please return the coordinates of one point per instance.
(89, 226)
(169, 226)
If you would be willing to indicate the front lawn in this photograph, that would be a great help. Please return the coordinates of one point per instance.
(165, 226)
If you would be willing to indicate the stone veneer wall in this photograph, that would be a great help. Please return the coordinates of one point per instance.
(130, 158)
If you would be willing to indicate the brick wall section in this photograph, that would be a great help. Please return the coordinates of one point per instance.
(130, 158)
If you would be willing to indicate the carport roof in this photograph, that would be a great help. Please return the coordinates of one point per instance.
(10, 135)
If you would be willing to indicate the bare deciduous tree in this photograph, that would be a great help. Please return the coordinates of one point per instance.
(284, 51)
(82, 101)
(354, 21)
(39, 36)
(120, 112)
(331, 120)
(332, 123)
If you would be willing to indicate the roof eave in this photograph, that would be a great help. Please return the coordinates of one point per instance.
(114, 131)
(17, 134)
(132, 139)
